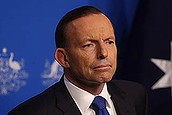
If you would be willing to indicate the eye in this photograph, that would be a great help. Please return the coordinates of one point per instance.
(109, 42)
(88, 45)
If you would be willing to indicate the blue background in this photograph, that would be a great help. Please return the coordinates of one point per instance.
(27, 28)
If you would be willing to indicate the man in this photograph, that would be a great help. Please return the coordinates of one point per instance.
(86, 50)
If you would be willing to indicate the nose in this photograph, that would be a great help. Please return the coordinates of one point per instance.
(102, 51)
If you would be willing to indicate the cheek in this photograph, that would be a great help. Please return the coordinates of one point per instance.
(86, 56)
(113, 56)
(112, 51)
(86, 61)
(80, 60)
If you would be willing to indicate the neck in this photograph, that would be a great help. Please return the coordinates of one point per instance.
(91, 87)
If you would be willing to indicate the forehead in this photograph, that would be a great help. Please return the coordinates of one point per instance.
(93, 25)
(92, 19)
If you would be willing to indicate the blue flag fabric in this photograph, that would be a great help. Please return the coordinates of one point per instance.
(146, 55)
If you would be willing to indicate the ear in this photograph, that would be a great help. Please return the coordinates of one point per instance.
(61, 57)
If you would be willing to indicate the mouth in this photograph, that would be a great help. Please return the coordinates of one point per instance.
(102, 67)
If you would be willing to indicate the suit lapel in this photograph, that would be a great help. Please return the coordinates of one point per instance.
(121, 100)
(64, 100)
(66, 104)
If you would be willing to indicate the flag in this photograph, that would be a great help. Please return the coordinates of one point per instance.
(146, 55)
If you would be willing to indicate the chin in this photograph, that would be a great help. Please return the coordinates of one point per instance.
(105, 79)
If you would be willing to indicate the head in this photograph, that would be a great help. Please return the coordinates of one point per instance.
(86, 47)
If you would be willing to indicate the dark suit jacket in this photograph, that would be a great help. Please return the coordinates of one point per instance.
(129, 99)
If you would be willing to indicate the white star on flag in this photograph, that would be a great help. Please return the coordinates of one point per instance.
(166, 66)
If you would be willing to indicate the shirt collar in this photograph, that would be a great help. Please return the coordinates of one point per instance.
(106, 95)
(79, 95)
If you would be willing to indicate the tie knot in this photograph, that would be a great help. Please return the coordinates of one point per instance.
(99, 102)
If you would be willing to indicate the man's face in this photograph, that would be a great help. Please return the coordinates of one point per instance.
(91, 50)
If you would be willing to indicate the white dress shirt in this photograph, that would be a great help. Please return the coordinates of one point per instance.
(83, 99)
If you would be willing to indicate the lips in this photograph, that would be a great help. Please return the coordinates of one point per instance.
(102, 67)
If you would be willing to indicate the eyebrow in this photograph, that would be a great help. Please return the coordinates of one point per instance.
(95, 40)
(110, 38)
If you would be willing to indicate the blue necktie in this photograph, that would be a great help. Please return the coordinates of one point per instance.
(99, 106)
